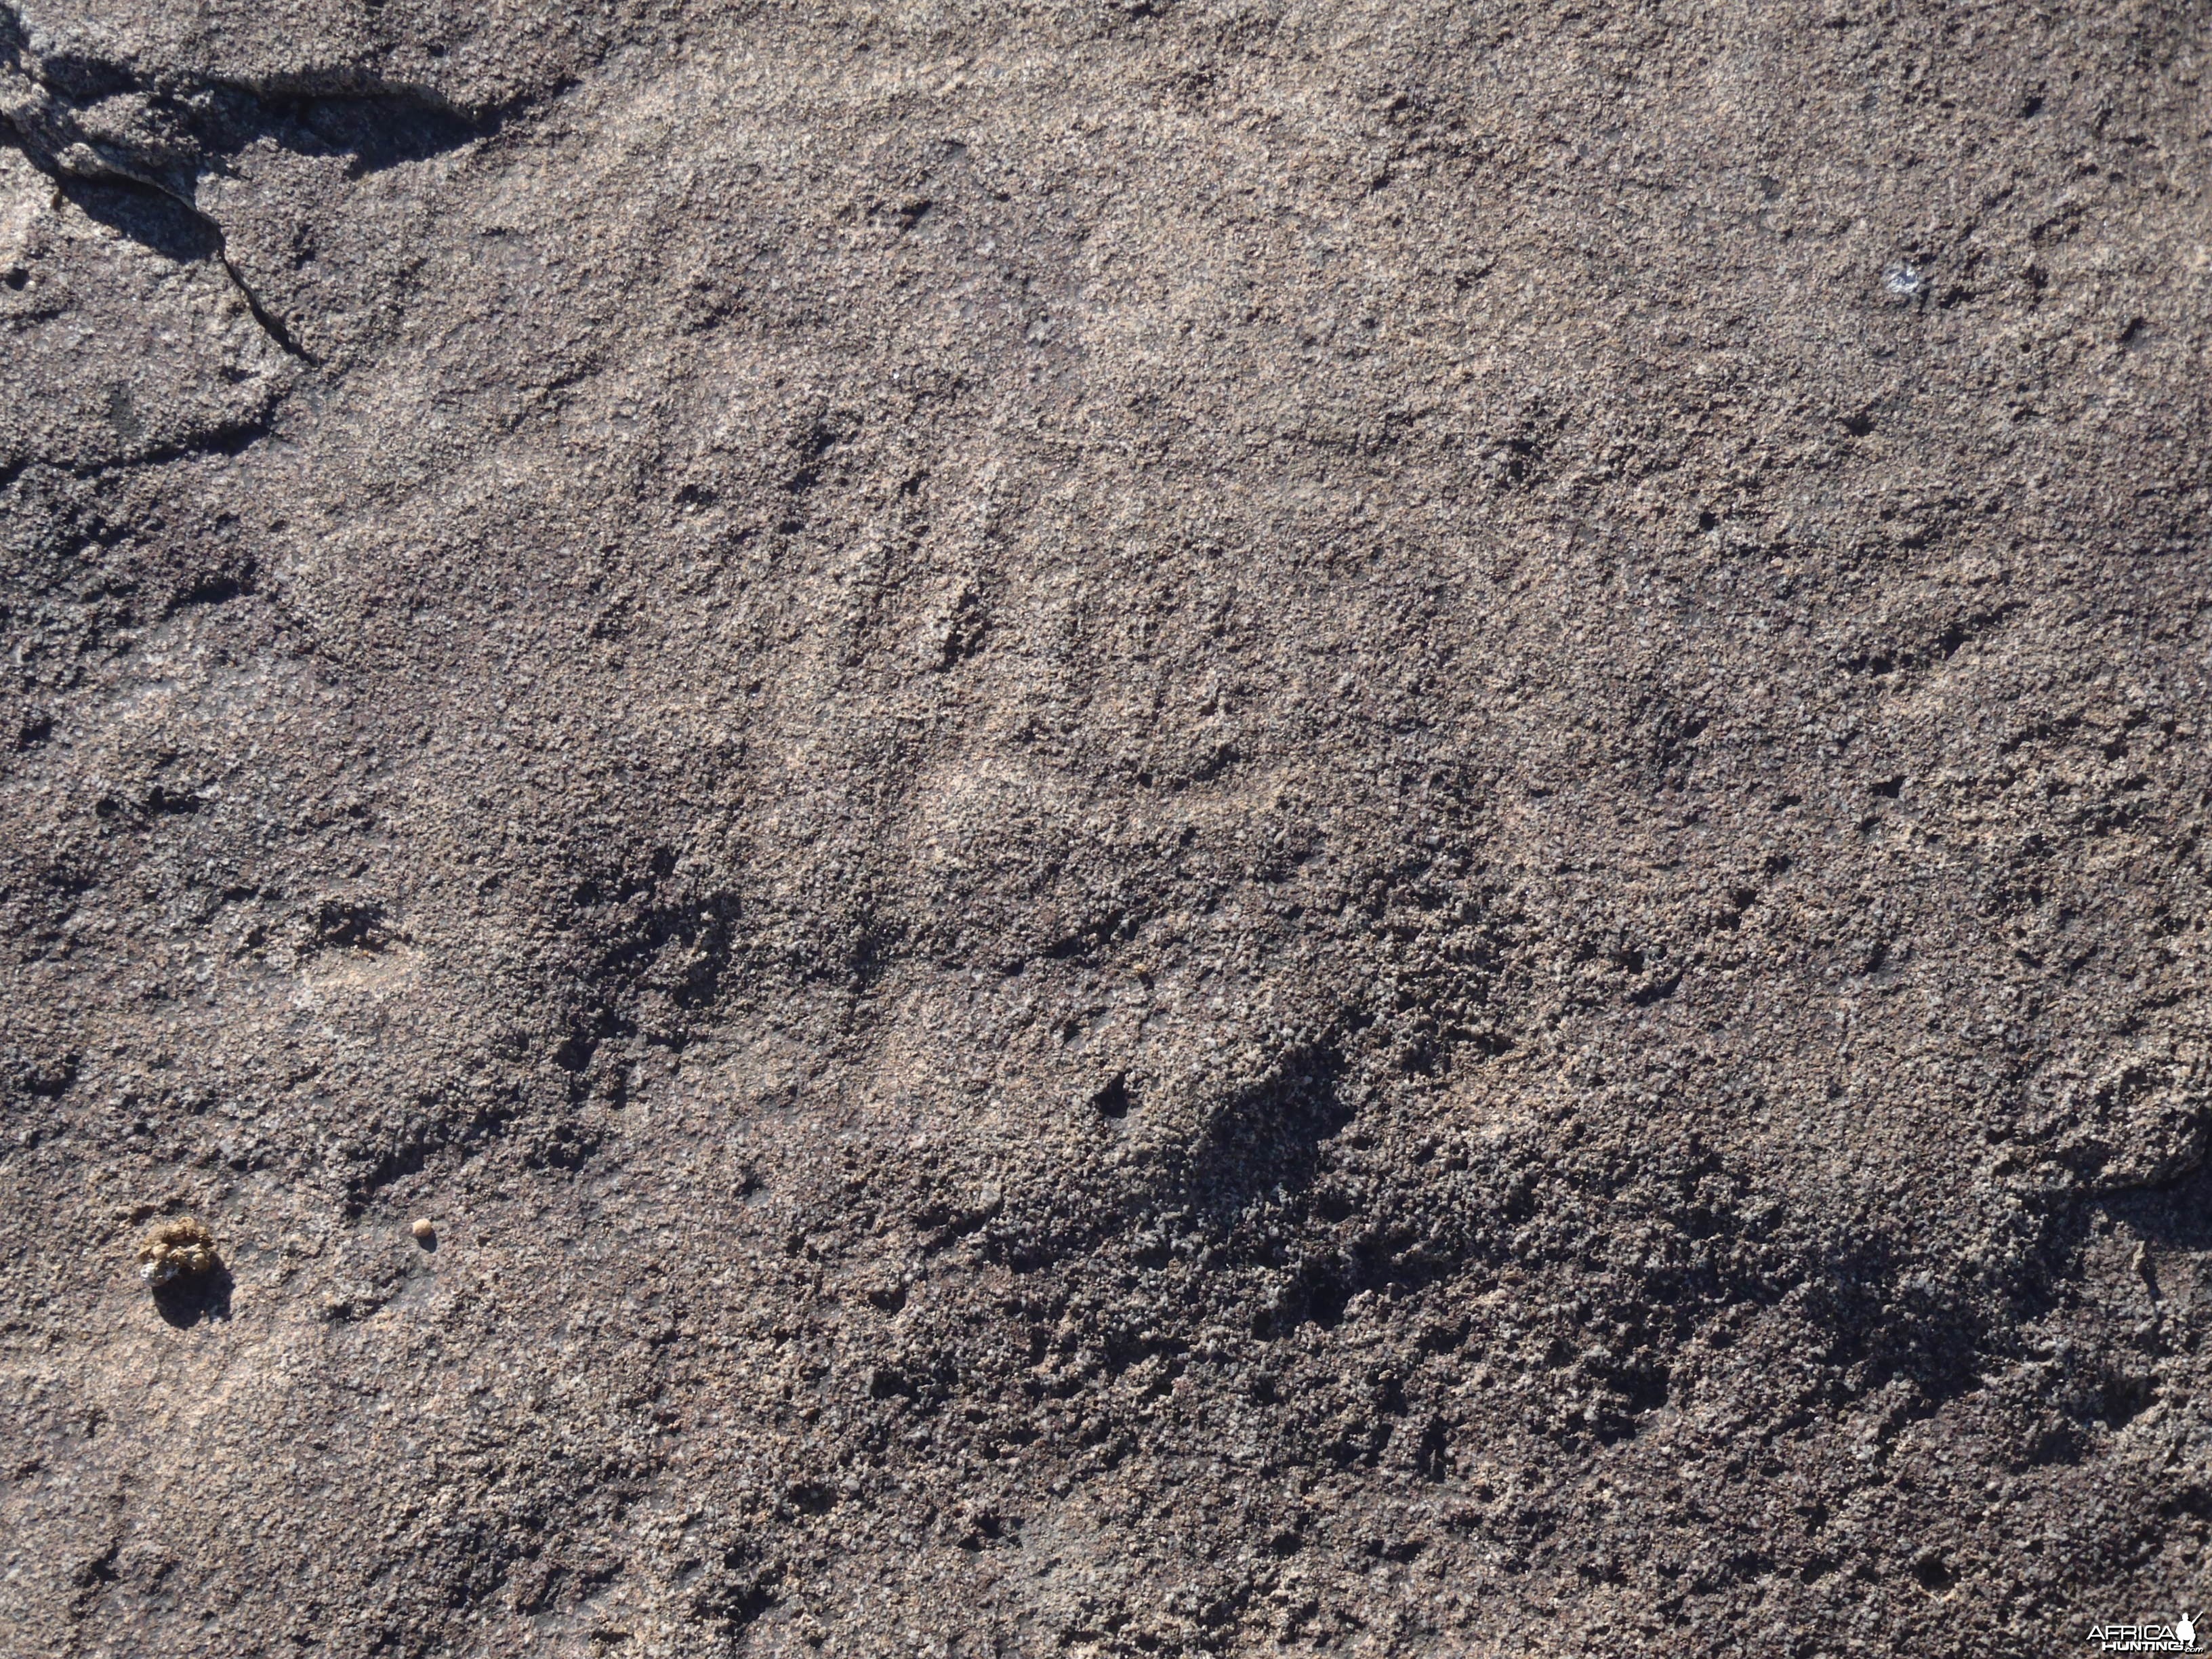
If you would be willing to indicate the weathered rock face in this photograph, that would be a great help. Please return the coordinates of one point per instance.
(1181, 827)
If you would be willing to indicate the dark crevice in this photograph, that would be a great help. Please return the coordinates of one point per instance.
(271, 325)
(232, 438)
(96, 197)
(165, 240)
(199, 123)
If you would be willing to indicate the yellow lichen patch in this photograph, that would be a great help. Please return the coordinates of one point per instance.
(175, 1248)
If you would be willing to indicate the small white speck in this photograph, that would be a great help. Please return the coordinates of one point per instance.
(1901, 280)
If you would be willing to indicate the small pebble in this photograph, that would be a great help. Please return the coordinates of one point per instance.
(175, 1250)
(424, 1229)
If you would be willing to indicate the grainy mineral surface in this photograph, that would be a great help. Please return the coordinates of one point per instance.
(1169, 827)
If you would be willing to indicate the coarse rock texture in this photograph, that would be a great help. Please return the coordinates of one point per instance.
(1175, 827)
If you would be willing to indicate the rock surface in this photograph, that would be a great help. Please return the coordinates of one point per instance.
(1165, 826)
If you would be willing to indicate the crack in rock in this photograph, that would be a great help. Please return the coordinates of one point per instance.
(91, 122)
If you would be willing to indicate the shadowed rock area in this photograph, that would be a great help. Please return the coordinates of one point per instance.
(1160, 827)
